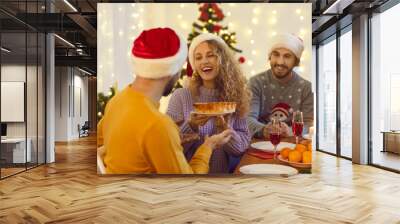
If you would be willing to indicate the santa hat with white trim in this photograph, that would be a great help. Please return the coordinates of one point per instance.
(200, 39)
(282, 107)
(289, 41)
(158, 53)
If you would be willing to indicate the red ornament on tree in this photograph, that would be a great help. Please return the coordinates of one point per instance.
(218, 11)
(220, 15)
(214, 6)
(242, 60)
(204, 7)
(203, 17)
(217, 28)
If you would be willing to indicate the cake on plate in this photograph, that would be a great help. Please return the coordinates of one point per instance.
(215, 107)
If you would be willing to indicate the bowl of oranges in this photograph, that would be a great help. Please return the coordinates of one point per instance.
(300, 156)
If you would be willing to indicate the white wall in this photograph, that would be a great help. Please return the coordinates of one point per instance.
(80, 100)
(254, 23)
(71, 93)
(61, 103)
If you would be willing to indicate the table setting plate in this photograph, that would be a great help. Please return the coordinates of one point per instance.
(267, 146)
(272, 169)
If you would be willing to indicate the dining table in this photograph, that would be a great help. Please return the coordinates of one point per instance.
(248, 158)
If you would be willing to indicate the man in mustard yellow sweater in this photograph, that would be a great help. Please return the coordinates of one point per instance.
(138, 138)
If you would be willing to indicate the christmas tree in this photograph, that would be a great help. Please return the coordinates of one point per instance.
(210, 17)
(209, 21)
(102, 101)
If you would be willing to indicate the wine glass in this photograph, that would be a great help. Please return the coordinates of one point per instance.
(297, 125)
(274, 134)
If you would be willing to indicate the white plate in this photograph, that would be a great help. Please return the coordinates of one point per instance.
(268, 147)
(273, 169)
(307, 136)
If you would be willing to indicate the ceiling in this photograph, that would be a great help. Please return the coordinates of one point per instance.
(76, 22)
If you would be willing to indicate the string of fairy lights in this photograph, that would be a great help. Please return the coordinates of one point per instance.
(253, 29)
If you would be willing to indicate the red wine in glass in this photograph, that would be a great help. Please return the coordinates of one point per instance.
(297, 125)
(274, 134)
(297, 128)
(275, 138)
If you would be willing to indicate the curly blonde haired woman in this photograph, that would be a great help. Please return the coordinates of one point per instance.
(217, 77)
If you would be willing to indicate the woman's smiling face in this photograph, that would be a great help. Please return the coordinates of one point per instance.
(206, 61)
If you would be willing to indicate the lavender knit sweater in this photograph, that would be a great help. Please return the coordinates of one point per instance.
(179, 108)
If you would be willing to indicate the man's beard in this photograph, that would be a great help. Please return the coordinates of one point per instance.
(284, 75)
(169, 87)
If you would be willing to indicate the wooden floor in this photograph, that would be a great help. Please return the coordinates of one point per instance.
(70, 191)
(10, 171)
(5, 172)
(387, 159)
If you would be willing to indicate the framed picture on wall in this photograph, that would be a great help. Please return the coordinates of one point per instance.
(12, 101)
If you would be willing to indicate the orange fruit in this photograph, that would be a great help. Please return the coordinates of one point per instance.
(301, 148)
(305, 142)
(295, 156)
(309, 147)
(285, 152)
(307, 157)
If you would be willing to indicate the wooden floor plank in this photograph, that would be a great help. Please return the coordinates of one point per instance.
(70, 191)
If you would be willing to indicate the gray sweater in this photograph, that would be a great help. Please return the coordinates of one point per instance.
(267, 92)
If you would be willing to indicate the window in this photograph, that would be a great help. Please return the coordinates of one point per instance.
(346, 94)
(327, 96)
(22, 77)
(385, 89)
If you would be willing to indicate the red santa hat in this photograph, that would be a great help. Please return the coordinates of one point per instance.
(289, 41)
(158, 52)
(282, 107)
(200, 39)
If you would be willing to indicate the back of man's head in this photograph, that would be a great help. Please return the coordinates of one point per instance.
(158, 53)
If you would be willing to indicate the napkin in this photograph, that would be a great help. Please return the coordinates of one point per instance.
(261, 154)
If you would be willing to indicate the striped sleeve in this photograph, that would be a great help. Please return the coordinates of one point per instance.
(240, 139)
(175, 106)
(176, 109)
